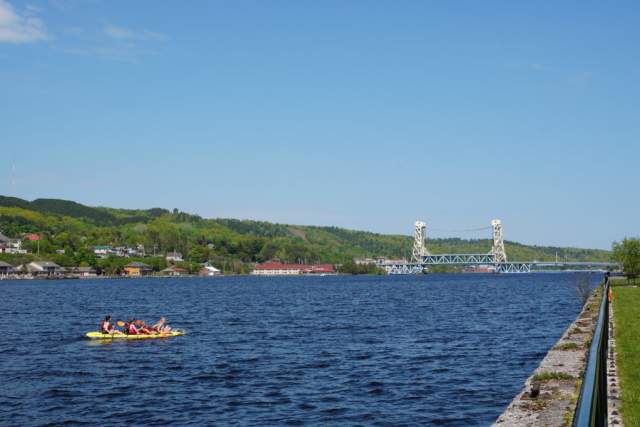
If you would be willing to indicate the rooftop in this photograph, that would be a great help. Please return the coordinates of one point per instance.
(46, 264)
(137, 264)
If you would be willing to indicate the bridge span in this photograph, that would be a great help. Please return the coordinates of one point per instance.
(422, 259)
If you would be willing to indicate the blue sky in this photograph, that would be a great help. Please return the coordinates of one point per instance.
(360, 114)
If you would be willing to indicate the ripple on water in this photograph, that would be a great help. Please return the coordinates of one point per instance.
(420, 350)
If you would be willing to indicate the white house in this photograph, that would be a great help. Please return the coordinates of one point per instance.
(11, 246)
(209, 270)
(174, 257)
(102, 251)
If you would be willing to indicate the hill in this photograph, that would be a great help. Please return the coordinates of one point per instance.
(230, 244)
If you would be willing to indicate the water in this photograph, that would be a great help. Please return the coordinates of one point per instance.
(447, 350)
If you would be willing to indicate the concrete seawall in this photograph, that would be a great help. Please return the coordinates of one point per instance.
(550, 394)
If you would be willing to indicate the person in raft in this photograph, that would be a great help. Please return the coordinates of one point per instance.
(106, 327)
(135, 327)
(161, 326)
(143, 329)
(130, 328)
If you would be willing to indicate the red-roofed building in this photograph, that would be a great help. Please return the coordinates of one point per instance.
(322, 269)
(279, 269)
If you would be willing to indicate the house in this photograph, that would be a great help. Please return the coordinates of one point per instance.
(11, 246)
(139, 250)
(209, 270)
(174, 257)
(364, 261)
(102, 251)
(135, 269)
(44, 268)
(84, 272)
(5, 268)
(133, 252)
(274, 268)
(174, 271)
(119, 251)
(4, 243)
(385, 261)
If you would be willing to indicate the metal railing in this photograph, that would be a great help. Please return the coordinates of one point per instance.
(592, 405)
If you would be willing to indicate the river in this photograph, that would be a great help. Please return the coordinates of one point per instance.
(436, 349)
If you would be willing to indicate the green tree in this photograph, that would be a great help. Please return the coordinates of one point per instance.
(350, 267)
(198, 253)
(627, 253)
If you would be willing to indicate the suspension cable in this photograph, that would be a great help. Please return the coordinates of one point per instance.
(459, 231)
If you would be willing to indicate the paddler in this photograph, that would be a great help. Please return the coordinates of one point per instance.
(130, 328)
(161, 326)
(143, 328)
(106, 327)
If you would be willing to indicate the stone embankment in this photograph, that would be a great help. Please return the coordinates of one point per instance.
(550, 394)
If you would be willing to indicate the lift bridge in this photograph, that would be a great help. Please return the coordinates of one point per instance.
(421, 259)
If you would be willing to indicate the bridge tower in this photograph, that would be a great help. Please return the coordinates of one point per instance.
(498, 243)
(419, 247)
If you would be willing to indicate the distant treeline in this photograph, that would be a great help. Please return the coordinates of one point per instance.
(230, 244)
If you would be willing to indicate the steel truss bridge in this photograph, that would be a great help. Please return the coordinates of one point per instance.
(497, 258)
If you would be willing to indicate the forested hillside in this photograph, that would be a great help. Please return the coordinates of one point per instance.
(228, 243)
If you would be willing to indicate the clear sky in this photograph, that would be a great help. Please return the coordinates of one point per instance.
(362, 114)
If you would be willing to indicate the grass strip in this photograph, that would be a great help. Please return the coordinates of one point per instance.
(568, 346)
(552, 375)
(626, 308)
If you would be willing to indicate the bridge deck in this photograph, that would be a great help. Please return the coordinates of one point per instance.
(487, 259)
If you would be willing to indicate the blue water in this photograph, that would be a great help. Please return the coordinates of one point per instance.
(447, 350)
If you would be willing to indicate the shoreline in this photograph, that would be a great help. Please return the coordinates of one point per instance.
(549, 395)
(191, 276)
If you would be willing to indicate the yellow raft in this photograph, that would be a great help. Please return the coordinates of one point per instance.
(101, 336)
